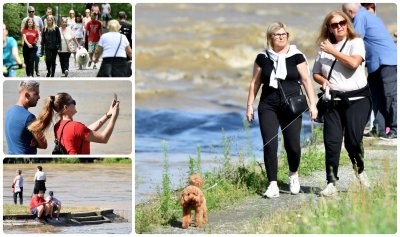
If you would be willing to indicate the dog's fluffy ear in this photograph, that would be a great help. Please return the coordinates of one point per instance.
(182, 199)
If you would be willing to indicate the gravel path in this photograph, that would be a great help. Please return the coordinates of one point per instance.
(237, 218)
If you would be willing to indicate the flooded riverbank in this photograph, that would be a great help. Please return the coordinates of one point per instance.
(106, 186)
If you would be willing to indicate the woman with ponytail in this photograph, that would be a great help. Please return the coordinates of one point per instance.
(76, 137)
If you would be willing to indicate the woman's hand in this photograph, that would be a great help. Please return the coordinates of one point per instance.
(313, 112)
(327, 47)
(325, 84)
(29, 45)
(115, 110)
(250, 114)
(113, 103)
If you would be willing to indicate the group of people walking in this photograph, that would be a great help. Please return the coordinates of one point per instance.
(348, 41)
(42, 37)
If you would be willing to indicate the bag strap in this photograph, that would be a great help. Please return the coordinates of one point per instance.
(279, 83)
(62, 131)
(118, 46)
(334, 62)
(65, 40)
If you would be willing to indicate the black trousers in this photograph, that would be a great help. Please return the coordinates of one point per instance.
(64, 60)
(20, 194)
(348, 121)
(51, 56)
(271, 117)
(29, 58)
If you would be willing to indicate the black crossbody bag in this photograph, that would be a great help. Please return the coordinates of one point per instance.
(296, 104)
(58, 148)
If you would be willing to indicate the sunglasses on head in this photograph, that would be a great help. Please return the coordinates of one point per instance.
(336, 25)
(72, 102)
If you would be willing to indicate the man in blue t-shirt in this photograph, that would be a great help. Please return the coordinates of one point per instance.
(381, 60)
(19, 139)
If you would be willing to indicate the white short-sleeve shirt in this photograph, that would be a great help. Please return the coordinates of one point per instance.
(110, 41)
(343, 78)
(40, 175)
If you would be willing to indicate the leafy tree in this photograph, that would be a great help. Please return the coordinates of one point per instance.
(13, 13)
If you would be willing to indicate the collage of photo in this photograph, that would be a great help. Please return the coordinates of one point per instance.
(67, 127)
(232, 117)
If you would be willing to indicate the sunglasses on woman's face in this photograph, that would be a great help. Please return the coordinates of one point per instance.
(335, 25)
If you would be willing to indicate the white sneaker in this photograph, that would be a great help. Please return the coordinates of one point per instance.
(272, 191)
(294, 184)
(364, 181)
(330, 190)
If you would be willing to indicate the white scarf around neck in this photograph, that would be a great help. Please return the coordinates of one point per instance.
(280, 64)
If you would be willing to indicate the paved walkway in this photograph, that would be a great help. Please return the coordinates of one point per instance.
(73, 70)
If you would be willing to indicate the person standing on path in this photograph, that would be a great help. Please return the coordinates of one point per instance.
(85, 20)
(18, 184)
(10, 52)
(51, 43)
(64, 54)
(126, 28)
(340, 67)
(30, 37)
(94, 28)
(284, 62)
(381, 59)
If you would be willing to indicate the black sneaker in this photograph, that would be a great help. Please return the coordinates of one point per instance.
(390, 136)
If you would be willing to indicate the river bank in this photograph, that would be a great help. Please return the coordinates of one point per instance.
(254, 214)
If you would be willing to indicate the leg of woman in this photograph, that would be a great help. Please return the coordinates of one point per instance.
(32, 54)
(356, 117)
(25, 54)
(269, 125)
(67, 56)
(53, 62)
(333, 136)
(291, 136)
(62, 61)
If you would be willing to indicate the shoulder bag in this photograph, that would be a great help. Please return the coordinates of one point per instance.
(115, 68)
(70, 46)
(58, 148)
(296, 104)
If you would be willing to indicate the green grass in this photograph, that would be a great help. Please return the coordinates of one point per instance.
(353, 212)
(246, 177)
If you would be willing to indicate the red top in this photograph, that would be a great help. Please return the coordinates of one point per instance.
(73, 137)
(36, 201)
(31, 35)
(94, 28)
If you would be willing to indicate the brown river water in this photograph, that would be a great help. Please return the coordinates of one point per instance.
(93, 98)
(105, 186)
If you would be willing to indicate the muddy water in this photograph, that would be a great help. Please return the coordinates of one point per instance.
(93, 101)
(89, 185)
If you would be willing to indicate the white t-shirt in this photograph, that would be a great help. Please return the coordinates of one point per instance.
(105, 8)
(110, 41)
(54, 200)
(343, 78)
(68, 34)
(40, 175)
(77, 28)
(19, 183)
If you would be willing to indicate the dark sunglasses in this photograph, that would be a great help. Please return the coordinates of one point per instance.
(31, 11)
(336, 25)
(72, 102)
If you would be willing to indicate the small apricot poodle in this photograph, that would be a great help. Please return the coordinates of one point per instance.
(192, 198)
